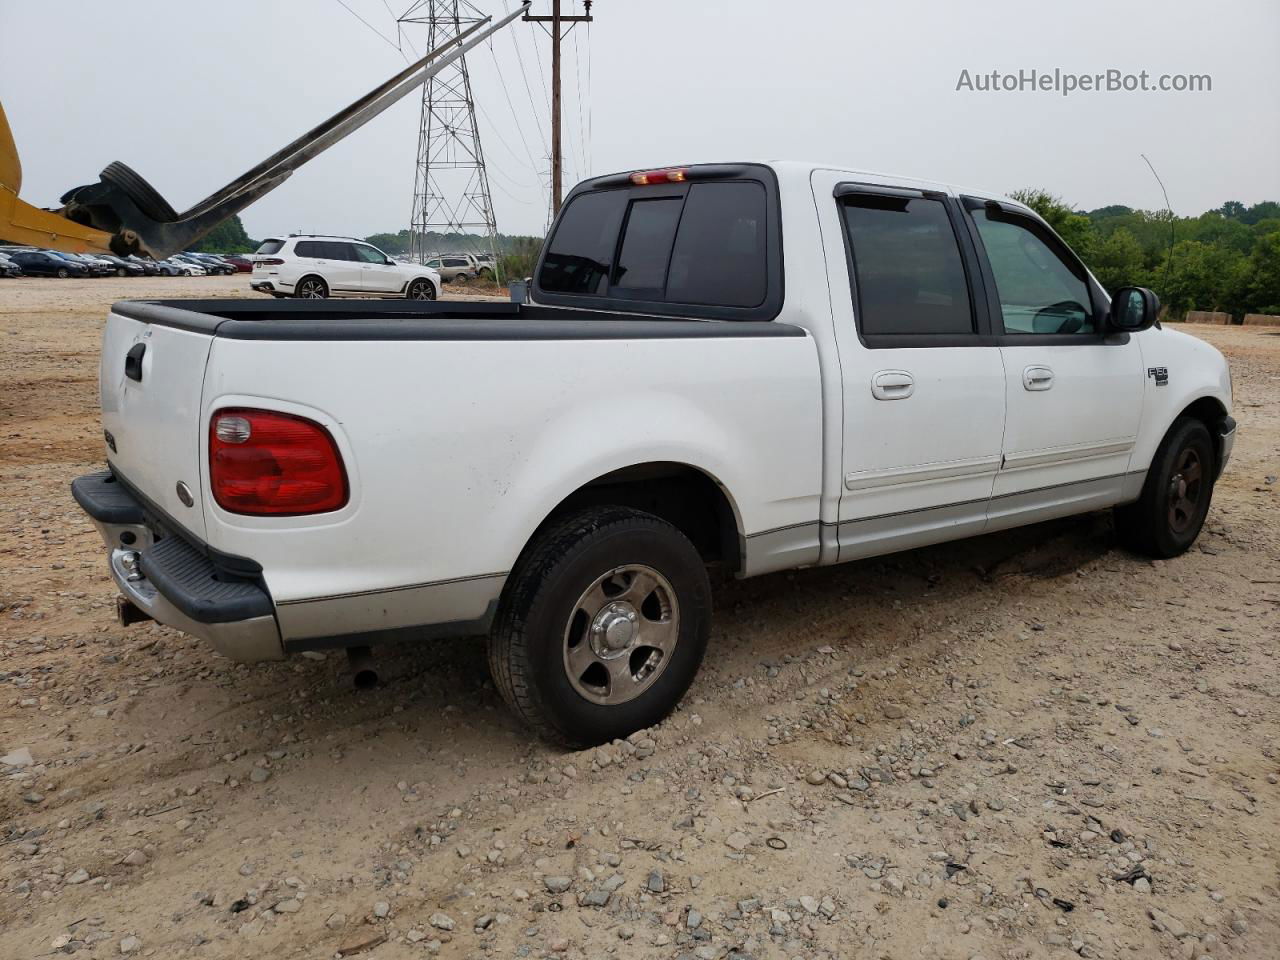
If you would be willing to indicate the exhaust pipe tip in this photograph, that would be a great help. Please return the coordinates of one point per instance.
(364, 672)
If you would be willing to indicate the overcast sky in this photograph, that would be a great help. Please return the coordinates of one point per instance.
(191, 95)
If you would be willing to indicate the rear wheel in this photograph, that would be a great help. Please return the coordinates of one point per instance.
(1168, 516)
(311, 288)
(421, 290)
(603, 626)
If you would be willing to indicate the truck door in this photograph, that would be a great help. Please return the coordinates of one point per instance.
(923, 382)
(1073, 393)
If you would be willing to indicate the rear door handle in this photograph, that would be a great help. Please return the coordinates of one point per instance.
(892, 385)
(1037, 378)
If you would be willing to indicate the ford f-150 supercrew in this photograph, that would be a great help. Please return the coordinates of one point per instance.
(744, 367)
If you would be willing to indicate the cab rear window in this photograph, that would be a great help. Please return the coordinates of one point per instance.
(700, 244)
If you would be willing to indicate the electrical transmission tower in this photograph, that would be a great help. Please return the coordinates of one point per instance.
(450, 185)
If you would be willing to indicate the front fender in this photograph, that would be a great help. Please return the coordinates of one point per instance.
(1192, 370)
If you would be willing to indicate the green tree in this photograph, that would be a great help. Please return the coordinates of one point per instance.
(1118, 261)
(1075, 228)
(1264, 275)
(227, 237)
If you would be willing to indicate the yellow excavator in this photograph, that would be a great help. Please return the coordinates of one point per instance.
(123, 214)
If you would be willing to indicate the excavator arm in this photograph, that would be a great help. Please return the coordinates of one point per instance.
(123, 214)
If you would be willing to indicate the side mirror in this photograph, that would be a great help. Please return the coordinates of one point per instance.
(1133, 309)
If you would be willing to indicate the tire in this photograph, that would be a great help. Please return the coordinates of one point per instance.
(543, 647)
(1166, 519)
(144, 196)
(461, 278)
(311, 288)
(121, 272)
(62, 273)
(421, 289)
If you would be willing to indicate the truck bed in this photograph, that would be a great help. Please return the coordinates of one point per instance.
(426, 320)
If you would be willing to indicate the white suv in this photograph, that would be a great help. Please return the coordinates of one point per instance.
(314, 267)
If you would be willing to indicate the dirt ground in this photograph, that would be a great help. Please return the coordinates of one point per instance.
(1022, 746)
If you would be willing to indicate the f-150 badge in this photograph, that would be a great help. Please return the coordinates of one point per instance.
(1161, 375)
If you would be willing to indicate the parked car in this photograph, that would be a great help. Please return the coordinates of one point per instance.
(149, 266)
(213, 265)
(315, 267)
(242, 264)
(187, 266)
(456, 268)
(123, 267)
(561, 474)
(172, 268)
(8, 268)
(94, 266)
(38, 263)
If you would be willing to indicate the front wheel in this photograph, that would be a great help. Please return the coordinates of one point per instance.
(1168, 516)
(602, 627)
(421, 290)
(311, 288)
(62, 273)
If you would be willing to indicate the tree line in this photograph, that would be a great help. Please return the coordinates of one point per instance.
(1226, 259)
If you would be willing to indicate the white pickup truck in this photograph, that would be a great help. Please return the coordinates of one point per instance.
(746, 367)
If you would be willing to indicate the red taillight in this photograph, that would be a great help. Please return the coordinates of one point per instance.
(267, 463)
(269, 262)
(647, 177)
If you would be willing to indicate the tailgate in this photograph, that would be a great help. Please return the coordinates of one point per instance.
(150, 379)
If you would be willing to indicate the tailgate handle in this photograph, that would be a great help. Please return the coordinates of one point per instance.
(133, 361)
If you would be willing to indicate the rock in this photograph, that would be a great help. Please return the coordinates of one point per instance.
(441, 921)
(365, 940)
(135, 858)
(382, 909)
(810, 905)
(656, 883)
(130, 944)
(596, 898)
(694, 920)
(894, 711)
(738, 841)
(1171, 925)
(815, 778)
(79, 876)
(336, 921)
(259, 775)
(18, 758)
(1142, 885)
(557, 884)
(288, 906)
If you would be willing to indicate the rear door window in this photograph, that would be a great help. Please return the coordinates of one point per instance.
(908, 274)
(308, 248)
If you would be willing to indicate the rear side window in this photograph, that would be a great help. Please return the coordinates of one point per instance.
(581, 253)
(308, 248)
(908, 275)
(269, 247)
(719, 256)
(705, 245)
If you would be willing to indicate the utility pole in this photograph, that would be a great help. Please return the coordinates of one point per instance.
(557, 20)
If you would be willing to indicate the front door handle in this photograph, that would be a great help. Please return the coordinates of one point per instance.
(892, 385)
(1037, 378)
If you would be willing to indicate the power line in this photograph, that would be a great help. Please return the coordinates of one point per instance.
(384, 37)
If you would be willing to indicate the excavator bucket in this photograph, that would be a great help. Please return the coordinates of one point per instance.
(20, 222)
(124, 214)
